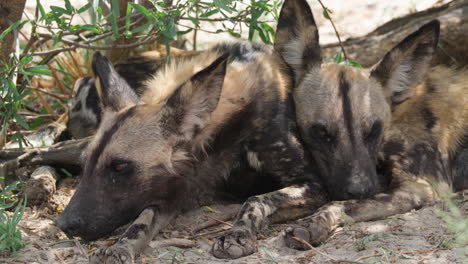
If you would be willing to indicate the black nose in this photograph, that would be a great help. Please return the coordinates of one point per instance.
(358, 191)
(71, 227)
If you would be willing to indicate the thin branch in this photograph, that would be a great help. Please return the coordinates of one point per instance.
(333, 259)
(75, 45)
(204, 30)
(226, 19)
(334, 28)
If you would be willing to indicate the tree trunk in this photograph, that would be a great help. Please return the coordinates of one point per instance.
(453, 42)
(10, 12)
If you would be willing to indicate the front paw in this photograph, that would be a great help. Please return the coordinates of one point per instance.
(115, 254)
(234, 244)
(314, 235)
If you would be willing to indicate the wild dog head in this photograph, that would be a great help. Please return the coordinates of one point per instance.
(343, 111)
(141, 154)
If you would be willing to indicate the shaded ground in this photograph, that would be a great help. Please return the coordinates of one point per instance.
(416, 237)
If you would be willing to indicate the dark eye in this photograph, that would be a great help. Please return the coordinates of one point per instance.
(321, 133)
(120, 166)
(374, 132)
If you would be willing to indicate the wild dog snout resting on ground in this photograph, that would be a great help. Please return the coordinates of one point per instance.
(196, 134)
(402, 122)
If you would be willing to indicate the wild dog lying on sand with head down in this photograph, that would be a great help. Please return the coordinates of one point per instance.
(401, 123)
(199, 130)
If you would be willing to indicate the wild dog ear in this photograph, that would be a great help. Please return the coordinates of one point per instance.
(198, 97)
(113, 91)
(403, 67)
(297, 39)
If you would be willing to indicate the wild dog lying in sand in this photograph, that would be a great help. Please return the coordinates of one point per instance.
(220, 122)
(401, 122)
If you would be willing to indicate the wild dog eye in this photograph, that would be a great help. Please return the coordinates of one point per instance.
(120, 166)
(321, 133)
(375, 131)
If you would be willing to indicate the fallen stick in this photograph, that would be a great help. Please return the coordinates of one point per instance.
(173, 242)
(63, 153)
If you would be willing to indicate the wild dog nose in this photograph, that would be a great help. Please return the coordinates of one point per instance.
(71, 227)
(356, 191)
(359, 188)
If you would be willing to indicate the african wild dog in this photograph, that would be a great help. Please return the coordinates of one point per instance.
(402, 122)
(84, 111)
(205, 127)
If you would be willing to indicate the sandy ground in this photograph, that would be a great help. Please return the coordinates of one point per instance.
(417, 237)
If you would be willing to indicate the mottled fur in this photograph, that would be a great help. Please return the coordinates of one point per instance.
(206, 127)
(401, 126)
(84, 108)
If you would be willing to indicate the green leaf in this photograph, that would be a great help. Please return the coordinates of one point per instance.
(84, 8)
(210, 13)
(338, 57)
(327, 12)
(21, 121)
(26, 59)
(95, 12)
(13, 26)
(127, 19)
(183, 32)
(223, 4)
(148, 26)
(127, 34)
(69, 7)
(38, 70)
(353, 63)
(233, 33)
(141, 9)
(58, 11)
(114, 16)
(41, 9)
(195, 21)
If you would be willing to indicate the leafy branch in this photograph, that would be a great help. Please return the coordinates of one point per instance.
(340, 57)
(58, 46)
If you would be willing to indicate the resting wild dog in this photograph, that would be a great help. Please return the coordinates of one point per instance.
(197, 133)
(84, 111)
(401, 121)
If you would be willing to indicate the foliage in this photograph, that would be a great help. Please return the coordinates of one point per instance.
(10, 236)
(341, 56)
(57, 41)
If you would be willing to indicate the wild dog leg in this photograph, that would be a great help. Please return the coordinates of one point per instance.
(134, 240)
(409, 195)
(241, 239)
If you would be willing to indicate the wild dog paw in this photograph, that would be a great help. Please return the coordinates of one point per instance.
(112, 255)
(234, 244)
(294, 237)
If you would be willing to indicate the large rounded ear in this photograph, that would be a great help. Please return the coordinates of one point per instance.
(197, 98)
(405, 66)
(113, 91)
(297, 39)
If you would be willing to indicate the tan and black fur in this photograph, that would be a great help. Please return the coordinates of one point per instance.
(85, 112)
(401, 126)
(221, 123)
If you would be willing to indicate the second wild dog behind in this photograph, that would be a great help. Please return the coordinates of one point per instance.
(401, 123)
(207, 126)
